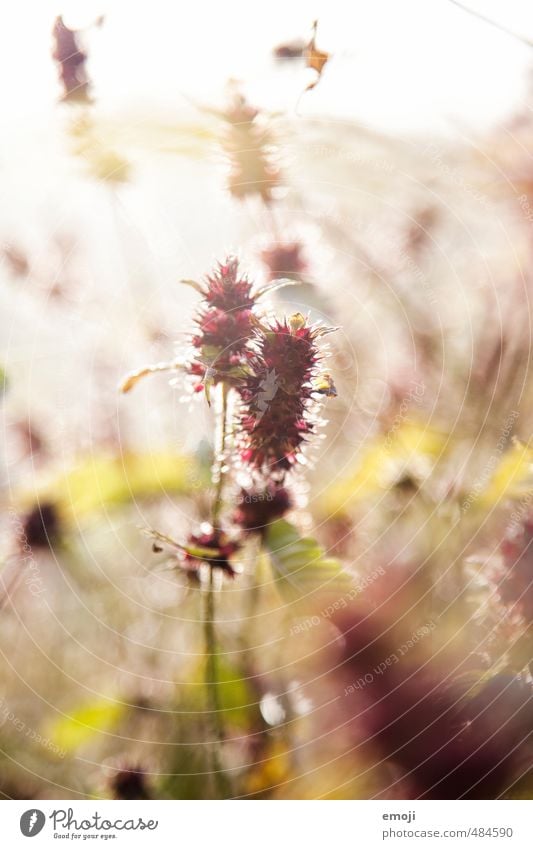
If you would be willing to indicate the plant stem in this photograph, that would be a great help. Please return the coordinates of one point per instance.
(221, 414)
(220, 778)
(216, 727)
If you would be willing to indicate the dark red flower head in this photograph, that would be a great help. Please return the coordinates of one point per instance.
(71, 61)
(224, 324)
(212, 546)
(284, 260)
(227, 289)
(279, 394)
(258, 507)
(130, 783)
(450, 732)
(42, 526)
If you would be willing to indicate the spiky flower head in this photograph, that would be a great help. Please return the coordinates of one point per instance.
(224, 325)
(280, 394)
(227, 289)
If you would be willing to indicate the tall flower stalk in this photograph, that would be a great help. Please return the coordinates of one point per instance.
(221, 780)
(266, 382)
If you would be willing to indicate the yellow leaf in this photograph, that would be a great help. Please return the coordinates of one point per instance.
(314, 58)
(383, 460)
(99, 482)
(101, 160)
(272, 770)
(71, 731)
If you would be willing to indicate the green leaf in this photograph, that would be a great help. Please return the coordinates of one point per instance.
(201, 552)
(301, 567)
(238, 699)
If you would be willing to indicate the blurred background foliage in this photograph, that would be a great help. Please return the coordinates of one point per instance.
(417, 245)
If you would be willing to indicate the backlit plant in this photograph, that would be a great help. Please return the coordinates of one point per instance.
(265, 380)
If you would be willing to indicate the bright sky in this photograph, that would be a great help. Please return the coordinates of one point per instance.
(397, 64)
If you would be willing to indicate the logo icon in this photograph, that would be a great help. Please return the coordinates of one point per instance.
(32, 822)
(268, 389)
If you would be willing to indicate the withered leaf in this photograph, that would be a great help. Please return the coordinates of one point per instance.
(314, 58)
(134, 377)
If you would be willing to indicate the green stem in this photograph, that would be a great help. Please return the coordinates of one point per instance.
(220, 778)
(216, 727)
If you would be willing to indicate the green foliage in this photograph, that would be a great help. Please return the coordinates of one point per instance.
(238, 699)
(301, 567)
